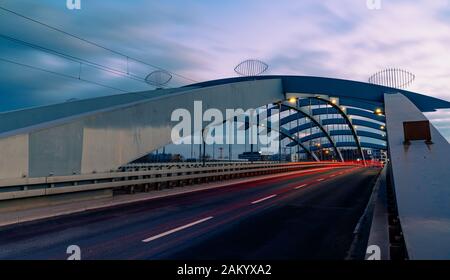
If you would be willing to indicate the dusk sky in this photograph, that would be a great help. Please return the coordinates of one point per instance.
(205, 39)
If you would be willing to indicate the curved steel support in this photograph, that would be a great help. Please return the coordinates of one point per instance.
(352, 144)
(283, 132)
(327, 135)
(342, 133)
(347, 120)
(298, 142)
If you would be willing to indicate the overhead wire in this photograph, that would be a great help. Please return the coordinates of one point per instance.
(60, 74)
(95, 44)
(75, 59)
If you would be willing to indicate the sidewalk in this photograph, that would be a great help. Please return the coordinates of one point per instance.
(28, 215)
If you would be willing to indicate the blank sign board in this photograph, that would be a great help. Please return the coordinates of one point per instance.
(417, 130)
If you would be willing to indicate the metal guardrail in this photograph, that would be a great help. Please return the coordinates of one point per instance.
(160, 165)
(144, 177)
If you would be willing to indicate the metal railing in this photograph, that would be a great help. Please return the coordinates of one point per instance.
(145, 177)
(196, 164)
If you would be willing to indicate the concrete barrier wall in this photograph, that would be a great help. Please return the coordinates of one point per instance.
(103, 140)
(14, 156)
(422, 182)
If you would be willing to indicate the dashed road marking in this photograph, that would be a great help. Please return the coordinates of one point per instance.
(176, 229)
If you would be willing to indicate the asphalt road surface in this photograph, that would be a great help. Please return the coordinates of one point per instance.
(307, 216)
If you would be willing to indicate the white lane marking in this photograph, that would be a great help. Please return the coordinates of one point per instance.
(320, 180)
(175, 230)
(263, 199)
(299, 187)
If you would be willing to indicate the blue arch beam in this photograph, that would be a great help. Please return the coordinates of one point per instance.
(347, 121)
(284, 133)
(352, 144)
(330, 140)
(350, 112)
(345, 89)
(298, 142)
(344, 133)
(356, 122)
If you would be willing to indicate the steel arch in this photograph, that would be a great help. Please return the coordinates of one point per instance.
(327, 135)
